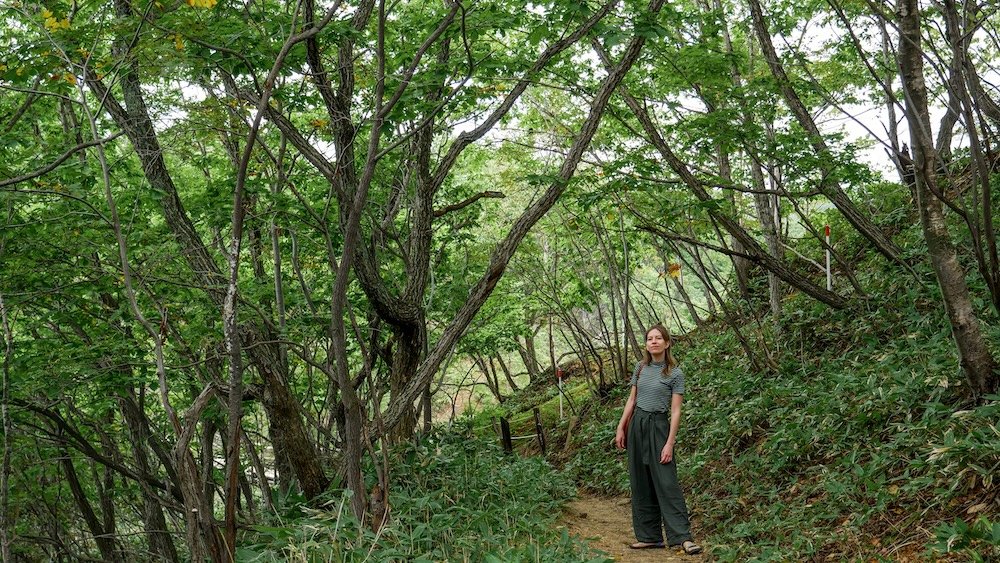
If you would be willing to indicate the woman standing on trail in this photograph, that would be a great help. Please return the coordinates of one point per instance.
(648, 428)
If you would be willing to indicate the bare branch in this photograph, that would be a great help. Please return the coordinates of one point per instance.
(62, 158)
(463, 204)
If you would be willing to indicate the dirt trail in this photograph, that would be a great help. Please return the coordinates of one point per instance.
(607, 523)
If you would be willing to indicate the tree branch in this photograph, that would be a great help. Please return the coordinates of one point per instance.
(462, 204)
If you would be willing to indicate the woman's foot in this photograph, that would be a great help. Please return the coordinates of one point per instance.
(647, 545)
(691, 548)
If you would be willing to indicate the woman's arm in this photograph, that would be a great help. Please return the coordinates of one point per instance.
(667, 455)
(626, 417)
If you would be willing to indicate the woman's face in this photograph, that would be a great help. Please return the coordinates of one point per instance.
(656, 343)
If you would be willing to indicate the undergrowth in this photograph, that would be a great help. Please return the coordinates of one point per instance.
(455, 497)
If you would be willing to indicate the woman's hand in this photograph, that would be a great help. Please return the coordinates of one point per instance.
(620, 439)
(667, 454)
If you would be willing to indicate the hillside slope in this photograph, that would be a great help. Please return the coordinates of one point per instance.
(861, 444)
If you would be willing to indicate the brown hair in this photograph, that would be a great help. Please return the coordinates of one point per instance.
(670, 362)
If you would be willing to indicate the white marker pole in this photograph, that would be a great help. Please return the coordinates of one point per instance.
(829, 273)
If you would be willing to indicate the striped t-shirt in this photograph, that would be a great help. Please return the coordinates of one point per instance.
(654, 390)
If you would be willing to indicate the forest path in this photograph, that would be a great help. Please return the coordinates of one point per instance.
(607, 523)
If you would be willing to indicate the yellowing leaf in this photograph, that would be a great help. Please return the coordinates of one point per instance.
(937, 452)
(70, 78)
(178, 42)
(977, 508)
(52, 24)
(674, 269)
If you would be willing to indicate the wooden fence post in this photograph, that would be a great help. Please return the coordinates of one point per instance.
(538, 430)
(508, 446)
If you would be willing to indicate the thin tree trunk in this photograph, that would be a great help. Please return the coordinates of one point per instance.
(161, 544)
(729, 316)
(527, 353)
(491, 383)
(618, 293)
(702, 275)
(6, 523)
(962, 79)
(974, 354)
(772, 236)
(507, 374)
(685, 298)
(261, 471)
(105, 541)
(209, 429)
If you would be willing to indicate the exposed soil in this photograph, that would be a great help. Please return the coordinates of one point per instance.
(607, 524)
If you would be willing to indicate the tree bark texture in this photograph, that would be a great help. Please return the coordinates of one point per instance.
(974, 354)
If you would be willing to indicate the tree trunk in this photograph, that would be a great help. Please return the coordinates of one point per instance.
(527, 353)
(680, 288)
(618, 287)
(161, 545)
(105, 541)
(6, 522)
(772, 236)
(974, 354)
(407, 354)
(741, 266)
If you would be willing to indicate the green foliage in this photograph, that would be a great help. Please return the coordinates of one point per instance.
(591, 466)
(979, 541)
(454, 498)
(854, 433)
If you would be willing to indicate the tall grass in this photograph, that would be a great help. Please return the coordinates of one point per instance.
(454, 497)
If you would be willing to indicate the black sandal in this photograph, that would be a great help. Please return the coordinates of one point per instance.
(691, 548)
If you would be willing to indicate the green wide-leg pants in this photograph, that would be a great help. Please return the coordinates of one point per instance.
(656, 495)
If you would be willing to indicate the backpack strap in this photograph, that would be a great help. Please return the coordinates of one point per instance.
(638, 371)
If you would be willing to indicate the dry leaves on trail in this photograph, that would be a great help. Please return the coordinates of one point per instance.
(607, 524)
